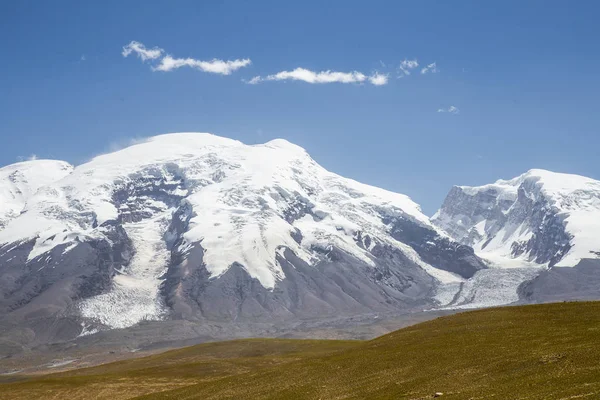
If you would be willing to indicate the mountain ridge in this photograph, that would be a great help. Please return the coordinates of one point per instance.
(196, 227)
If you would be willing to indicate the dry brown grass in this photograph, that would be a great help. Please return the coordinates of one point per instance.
(533, 352)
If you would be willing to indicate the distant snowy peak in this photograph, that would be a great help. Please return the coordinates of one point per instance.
(20, 181)
(556, 186)
(540, 216)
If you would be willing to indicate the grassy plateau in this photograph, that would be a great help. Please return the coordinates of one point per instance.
(549, 351)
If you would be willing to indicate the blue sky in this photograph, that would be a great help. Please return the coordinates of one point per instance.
(523, 75)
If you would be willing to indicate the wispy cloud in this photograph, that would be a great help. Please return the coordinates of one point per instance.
(141, 51)
(406, 66)
(215, 66)
(253, 81)
(431, 68)
(450, 110)
(161, 61)
(31, 157)
(168, 63)
(308, 76)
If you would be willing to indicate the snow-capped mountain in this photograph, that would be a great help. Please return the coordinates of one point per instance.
(542, 217)
(195, 226)
(539, 233)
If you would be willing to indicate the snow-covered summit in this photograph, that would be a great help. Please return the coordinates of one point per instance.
(542, 216)
(236, 189)
(551, 183)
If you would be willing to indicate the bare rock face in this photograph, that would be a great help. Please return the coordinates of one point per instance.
(581, 282)
(434, 249)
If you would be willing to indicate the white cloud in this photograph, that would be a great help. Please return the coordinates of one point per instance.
(378, 79)
(214, 66)
(451, 110)
(302, 74)
(141, 51)
(406, 66)
(82, 58)
(432, 68)
(308, 76)
(169, 63)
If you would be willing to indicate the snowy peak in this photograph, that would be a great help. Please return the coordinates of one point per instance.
(283, 144)
(20, 181)
(540, 216)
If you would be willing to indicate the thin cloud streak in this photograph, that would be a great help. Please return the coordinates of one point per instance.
(169, 63)
(141, 51)
(214, 66)
(450, 110)
(431, 68)
(312, 77)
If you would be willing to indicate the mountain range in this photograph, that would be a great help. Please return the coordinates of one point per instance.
(203, 229)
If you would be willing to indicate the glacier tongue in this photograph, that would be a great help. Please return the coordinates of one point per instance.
(134, 296)
(487, 288)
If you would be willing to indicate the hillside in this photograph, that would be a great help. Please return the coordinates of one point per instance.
(530, 352)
